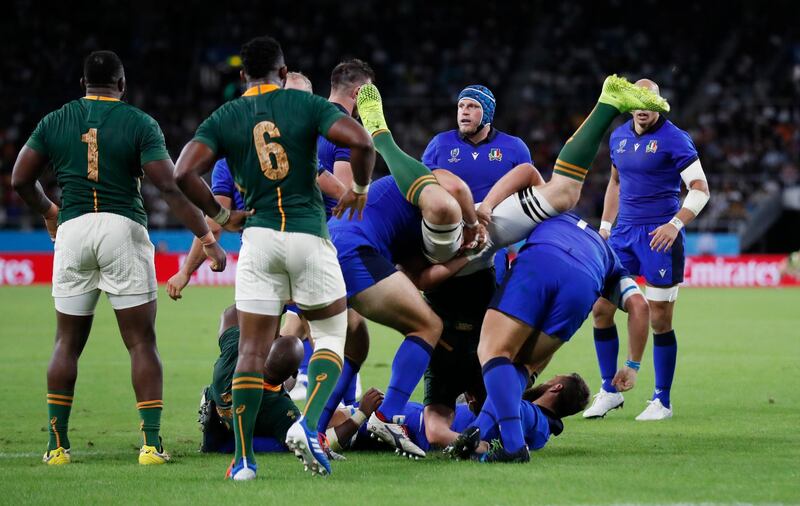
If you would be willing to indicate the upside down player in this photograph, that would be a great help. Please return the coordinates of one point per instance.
(269, 139)
(650, 156)
(100, 148)
(368, 251)
(562, 269)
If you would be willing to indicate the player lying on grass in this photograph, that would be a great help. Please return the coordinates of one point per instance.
(510, 212)
(277, 412)
(368, 251)
(549, 291)
(99, 148)
(268, 136)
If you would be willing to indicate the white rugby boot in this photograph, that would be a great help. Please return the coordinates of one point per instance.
(603, 403)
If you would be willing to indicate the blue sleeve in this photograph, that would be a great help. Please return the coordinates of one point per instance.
(523, 153)
(429, 156)
(222, 180)
(341, 154)
(683, 151)
(611, 141)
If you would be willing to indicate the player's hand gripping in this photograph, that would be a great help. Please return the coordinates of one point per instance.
(370, 401)
(216, 254)
(605, 234)
(353, 201)
(237, 219)
(625, 379)
(176, 284)
(663, 237)
(484, 213)
(474, 237)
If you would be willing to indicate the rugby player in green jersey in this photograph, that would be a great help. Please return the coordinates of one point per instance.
(268, 136)
(100, 148)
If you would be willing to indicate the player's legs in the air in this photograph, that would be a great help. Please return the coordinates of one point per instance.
(441, 214)
(515, 216)
(395, 302)
(356, 349)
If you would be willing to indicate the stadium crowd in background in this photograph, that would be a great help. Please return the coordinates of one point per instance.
(735, 91)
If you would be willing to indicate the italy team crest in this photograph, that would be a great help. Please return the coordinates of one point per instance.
(495, 155)
(652, 146)
(621, 147)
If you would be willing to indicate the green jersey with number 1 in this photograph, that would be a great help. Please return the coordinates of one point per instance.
(269, 138)
(97, 146)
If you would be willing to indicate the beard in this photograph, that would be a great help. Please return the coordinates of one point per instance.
(536, 392)
(469, 131)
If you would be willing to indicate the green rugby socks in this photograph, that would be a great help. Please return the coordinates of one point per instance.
(248, 387)
(150, 414)
(410, 175)
(324, 369)
(578, 153)
(59, 405)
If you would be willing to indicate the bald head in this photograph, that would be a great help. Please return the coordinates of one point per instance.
(298, 81)
(650, 85)
(643, 120)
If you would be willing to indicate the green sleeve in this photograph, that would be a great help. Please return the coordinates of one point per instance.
(324, 113)
(151, 142)
(37, 140)
(208, 132)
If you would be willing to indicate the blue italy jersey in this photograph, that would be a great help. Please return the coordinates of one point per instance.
(538, 425)
(391, 224)
(222, 184)
(329, 153)
(591, 254)
(649, 168)
(479, 165)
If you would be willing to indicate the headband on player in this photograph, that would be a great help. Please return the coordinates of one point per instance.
(484, 97)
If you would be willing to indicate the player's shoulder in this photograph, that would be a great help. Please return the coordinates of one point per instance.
(670, 128)
(138, 114)
(509, 140)
(446, 136)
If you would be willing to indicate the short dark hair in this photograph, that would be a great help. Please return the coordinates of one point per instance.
(351, 73)
(102, 68)
(573, 397)
(260, 56)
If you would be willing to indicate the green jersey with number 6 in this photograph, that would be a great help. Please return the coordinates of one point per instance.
(97, 147)
(269, 138)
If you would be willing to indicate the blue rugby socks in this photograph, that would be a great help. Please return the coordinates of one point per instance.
(409, 365)
(349, 372)
(503, 390)
(606, 344)
(665, 352)
(308, 350)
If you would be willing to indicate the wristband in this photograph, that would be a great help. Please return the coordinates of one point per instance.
(208, 239)
(360, 189)
(605, 225)
(676, 222)
(359, 417)
(222, 216)
(633, 365)
(472, 225)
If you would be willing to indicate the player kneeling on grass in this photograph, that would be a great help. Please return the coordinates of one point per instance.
(560, 272)
(100, 147)
(277, 412)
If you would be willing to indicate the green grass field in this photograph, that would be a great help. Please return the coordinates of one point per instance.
(735, 437)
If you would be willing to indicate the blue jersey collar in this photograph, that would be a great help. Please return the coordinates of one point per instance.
(341, 108)
(653, 129)
(489, 138)
(555, 423)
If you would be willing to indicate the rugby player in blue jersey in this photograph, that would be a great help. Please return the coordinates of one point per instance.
(650, 156)
(549, 291)
(480, 155)
(368, 252)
